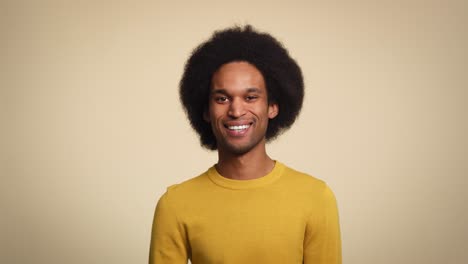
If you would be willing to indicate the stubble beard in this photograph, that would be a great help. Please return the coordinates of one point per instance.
(225, 146)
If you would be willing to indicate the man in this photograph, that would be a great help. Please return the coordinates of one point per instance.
(240, 89)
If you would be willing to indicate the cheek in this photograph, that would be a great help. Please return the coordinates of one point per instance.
(216, 116)
(260, 111)
(217, 111)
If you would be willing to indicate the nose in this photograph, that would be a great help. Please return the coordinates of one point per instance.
(236, 109)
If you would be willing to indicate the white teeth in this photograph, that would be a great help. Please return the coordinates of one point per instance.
(238, 127)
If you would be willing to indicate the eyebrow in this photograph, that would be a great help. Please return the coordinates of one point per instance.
(223, 91)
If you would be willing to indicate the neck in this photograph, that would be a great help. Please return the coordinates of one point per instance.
(251, 165)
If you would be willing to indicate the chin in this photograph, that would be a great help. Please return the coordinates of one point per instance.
(239, 149)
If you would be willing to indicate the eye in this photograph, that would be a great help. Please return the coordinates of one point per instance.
(251, 98)
(221, 99)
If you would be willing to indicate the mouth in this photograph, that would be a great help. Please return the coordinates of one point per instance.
(237, 130)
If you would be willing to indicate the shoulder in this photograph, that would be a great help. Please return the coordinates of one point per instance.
(305, 183)
(187, 189)
(294, 176)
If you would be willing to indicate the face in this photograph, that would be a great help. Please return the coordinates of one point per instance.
(238, 108)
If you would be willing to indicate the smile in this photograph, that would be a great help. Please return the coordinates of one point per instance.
(238, 128)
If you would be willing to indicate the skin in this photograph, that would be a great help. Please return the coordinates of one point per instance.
(239, 99)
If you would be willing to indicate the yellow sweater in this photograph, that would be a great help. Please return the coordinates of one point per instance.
(285, 217)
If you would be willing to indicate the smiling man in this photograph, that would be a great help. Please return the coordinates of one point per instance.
(238, 111)
(241, 89)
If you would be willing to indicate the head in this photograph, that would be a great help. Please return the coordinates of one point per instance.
(238, 109)
(259, 54)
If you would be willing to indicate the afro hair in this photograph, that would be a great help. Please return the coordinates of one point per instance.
(283, 77)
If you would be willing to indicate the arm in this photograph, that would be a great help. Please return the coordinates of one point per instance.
(322, 242)
(168, 238)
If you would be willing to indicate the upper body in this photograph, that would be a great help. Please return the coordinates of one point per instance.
(241, 89)
(283, 217)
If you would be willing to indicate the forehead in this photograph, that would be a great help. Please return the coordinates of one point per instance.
(238, 74)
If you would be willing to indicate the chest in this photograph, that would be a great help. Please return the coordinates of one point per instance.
(252, 228)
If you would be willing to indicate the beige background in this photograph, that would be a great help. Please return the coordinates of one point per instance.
(93, 133)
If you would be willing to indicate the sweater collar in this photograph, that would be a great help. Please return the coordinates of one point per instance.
(267, 179)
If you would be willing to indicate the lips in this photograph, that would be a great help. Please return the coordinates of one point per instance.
(237, 129)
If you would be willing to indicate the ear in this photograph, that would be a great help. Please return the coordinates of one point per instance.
(273, 110)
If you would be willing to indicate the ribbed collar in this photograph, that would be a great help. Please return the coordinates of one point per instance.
(271, 177)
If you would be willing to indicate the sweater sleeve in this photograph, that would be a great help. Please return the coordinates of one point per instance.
(168, 239)
(322, 242)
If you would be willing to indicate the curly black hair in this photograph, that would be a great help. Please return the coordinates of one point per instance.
(282, 75)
